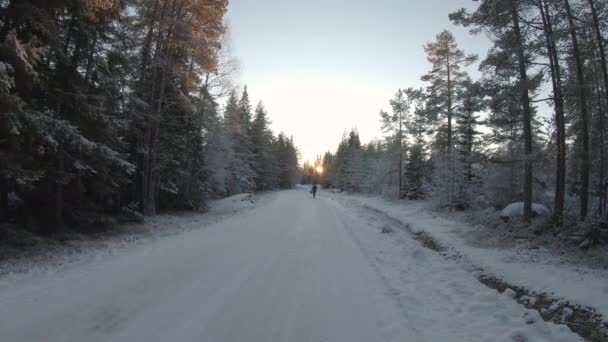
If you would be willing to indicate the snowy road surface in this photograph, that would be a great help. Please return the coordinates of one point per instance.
(293, 269)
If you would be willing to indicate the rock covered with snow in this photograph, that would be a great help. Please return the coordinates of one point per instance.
(567, 314)
(528, 300)
(517, 210)
(531, 317)
(510, 293)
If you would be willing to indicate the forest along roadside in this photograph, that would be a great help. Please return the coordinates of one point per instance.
(560, 291)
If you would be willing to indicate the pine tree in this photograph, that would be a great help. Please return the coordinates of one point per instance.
(265, 164)
(394, 125)
(584, 115)
(416, 127)
(64, 158)
(218, 153)
(446, 79)
(603, 63)
(328, 176)
(242, 175)
(287, 160)
(243, 140)
(503, 19)
(348, 165)
(555, 70)
(467, 120)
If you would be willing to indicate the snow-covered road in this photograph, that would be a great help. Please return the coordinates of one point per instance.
(293, 269)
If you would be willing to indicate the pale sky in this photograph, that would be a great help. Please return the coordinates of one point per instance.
(325, 66)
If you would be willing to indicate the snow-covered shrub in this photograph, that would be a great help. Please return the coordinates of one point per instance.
(591, 232)
(517, 210)
(501, 185)
(387, 229)
(131, 213)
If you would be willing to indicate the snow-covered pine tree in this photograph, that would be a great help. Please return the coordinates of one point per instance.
(238, 128)
(265, 164)
(393, 125)
(375, 166)
(287, 161)
(468, 181)
(445, 80)
(218, 152)
(348, 166)
(327, 178)
(62, 151)
(416, 168)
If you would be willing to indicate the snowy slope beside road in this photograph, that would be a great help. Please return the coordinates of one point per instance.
(49, 255)
(536, 269)
(293, 269)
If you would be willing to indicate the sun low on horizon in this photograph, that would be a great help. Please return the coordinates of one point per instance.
(321, 77)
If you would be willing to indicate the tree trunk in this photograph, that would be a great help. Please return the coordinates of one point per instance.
(450, 114)
(602, 53)
(90, 58)
(147, 45)
(527, 112)
(58, 212)
(558, 100)
(449, 102)
(79, 41)
(469, 149)
(70, 32)
(400, 194)
(148, 160)
(164, 54)
(600, 111)
(142, 147)
(584, 124)
(3, 199)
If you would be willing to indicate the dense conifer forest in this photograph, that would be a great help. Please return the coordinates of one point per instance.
(111, 108)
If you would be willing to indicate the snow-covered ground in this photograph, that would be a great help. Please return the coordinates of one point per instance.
(290, 269)
(50, 255)
(538, 269)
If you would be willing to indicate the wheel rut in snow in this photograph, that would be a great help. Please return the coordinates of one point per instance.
(584, 321)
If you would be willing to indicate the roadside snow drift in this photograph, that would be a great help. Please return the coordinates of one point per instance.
(537, 270)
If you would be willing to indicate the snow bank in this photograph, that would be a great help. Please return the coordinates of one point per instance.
(441, 300)
(517, 210)
(232, 204)
(51, 255)
(538, 270)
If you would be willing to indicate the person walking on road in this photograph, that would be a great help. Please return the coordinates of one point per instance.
(313, 191)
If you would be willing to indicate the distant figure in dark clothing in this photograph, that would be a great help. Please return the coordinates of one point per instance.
(313, 191)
